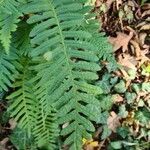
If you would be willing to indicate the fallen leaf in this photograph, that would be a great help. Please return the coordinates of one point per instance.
(12, 123)
(129, 120)
(129, 29)
(145, 27)
(122, 40)
(117, 98)
(140, 94)
(101, 144)
(113, 121)
(4, 141)
(132, 4)
(89, 144)
(146, 6)
(146, 49)
(98, 3)
(143, 58)
(109, 3)
(94, 144)
(97, 133)
(118, 4)
(125, 75)
(146, 13)
(136, 46)
(129, 62)
(142, 37)
(141, 24)
(147, 98)
(128, 82)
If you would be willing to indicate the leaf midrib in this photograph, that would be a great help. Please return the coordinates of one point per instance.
(64, 46)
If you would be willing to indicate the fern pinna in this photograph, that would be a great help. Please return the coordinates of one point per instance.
(54, 85)
(9, 17)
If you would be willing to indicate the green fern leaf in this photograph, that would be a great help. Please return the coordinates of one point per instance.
(21, 39)
(8, 68)
(46, 128)
(64, 82)
(23, 107)
(31, 114)
(9, 12)
(105, 51)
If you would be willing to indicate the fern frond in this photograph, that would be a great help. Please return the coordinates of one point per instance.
(66, 78)
(8, 68)
(23, 107)
(9, 12)
(46, 128)
(105, 52)
(21, 39)
(30, 113)
(104, 48)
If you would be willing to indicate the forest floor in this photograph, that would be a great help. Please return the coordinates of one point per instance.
(127, 24)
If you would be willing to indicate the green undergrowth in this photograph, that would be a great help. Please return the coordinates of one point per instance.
(56, 77)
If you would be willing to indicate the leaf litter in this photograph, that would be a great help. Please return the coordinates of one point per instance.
(127, 24)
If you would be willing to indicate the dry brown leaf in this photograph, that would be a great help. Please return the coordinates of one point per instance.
(147, 98)
(145, 27)
(122, 40)
(118, 4)
(146, 13)
(124, 74)
(129, 29)
(90, 144)
(12, 123)
(4, 141)
(128, 83)
(117, 98)
(109, 3)
(101, 144)
(113, 121)
(98, 3)
(146, 6)
(129, 120)
(141, 24)
(142, 37)
(97, 133)
(129, 62)
(136, 46)
(132, 4)
(143, 58)
(146, 49)
(140, 94)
